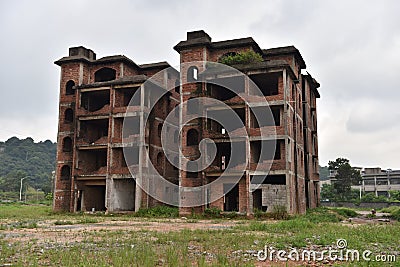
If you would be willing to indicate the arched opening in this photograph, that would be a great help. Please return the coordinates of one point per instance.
(67, 144)
(65, 172)
(104, 75)
(192, 74)
(69, 88)
(69, 115)
(192, 138)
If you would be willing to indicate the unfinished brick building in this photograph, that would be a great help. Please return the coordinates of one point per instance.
(94, 97)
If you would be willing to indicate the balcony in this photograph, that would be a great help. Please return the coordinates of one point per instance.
(218, 89)
(267, 85)
(87, 142)
(94, 103)
(91, 162)
(93, 132)
(100, 171)
(234, 123)
(105, 110)
(223, 162)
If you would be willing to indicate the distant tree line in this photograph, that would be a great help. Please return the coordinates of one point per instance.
(24, 158)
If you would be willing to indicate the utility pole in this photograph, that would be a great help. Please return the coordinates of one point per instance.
(20, 188)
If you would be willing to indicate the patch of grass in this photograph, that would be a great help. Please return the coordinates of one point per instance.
(394, 212)
(345, 212)
(23, 211)
(390, 209)
(87, 220)
(28, 224)
(158, 212)
(322, 214)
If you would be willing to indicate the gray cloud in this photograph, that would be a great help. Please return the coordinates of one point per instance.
(352, 48)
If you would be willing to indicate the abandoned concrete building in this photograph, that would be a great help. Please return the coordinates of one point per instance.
(95, 99)
(380, 182)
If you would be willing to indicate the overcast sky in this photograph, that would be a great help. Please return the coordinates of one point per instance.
(351, 47)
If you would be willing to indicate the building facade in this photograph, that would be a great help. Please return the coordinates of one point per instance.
(95, 99)
(380, 182)
(95, 96)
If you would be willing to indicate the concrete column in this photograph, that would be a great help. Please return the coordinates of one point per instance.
(138, 189)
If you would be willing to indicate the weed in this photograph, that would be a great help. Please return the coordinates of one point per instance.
(245, 57)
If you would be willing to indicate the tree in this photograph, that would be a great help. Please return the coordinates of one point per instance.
(24, 157)
(11, 181)
(323, 173)
(328, 192)
(346, 176)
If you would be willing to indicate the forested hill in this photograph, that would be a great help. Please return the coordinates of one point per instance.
(23, 157)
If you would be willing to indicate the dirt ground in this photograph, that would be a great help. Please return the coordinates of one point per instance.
(47, 231)
(48, 234)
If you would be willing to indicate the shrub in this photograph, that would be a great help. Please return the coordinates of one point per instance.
(370, 197)
(244, 57)
(396, 214)
(258, 213)
(212, 212)
(390, 209)
(279, 212)
(322, 214)
(345, 212)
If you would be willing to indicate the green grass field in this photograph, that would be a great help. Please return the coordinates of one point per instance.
(32, 235)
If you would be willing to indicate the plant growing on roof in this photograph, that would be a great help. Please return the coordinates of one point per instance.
(244, 57)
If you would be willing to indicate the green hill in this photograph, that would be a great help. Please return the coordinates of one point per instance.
(23, 157)
(323, 173)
